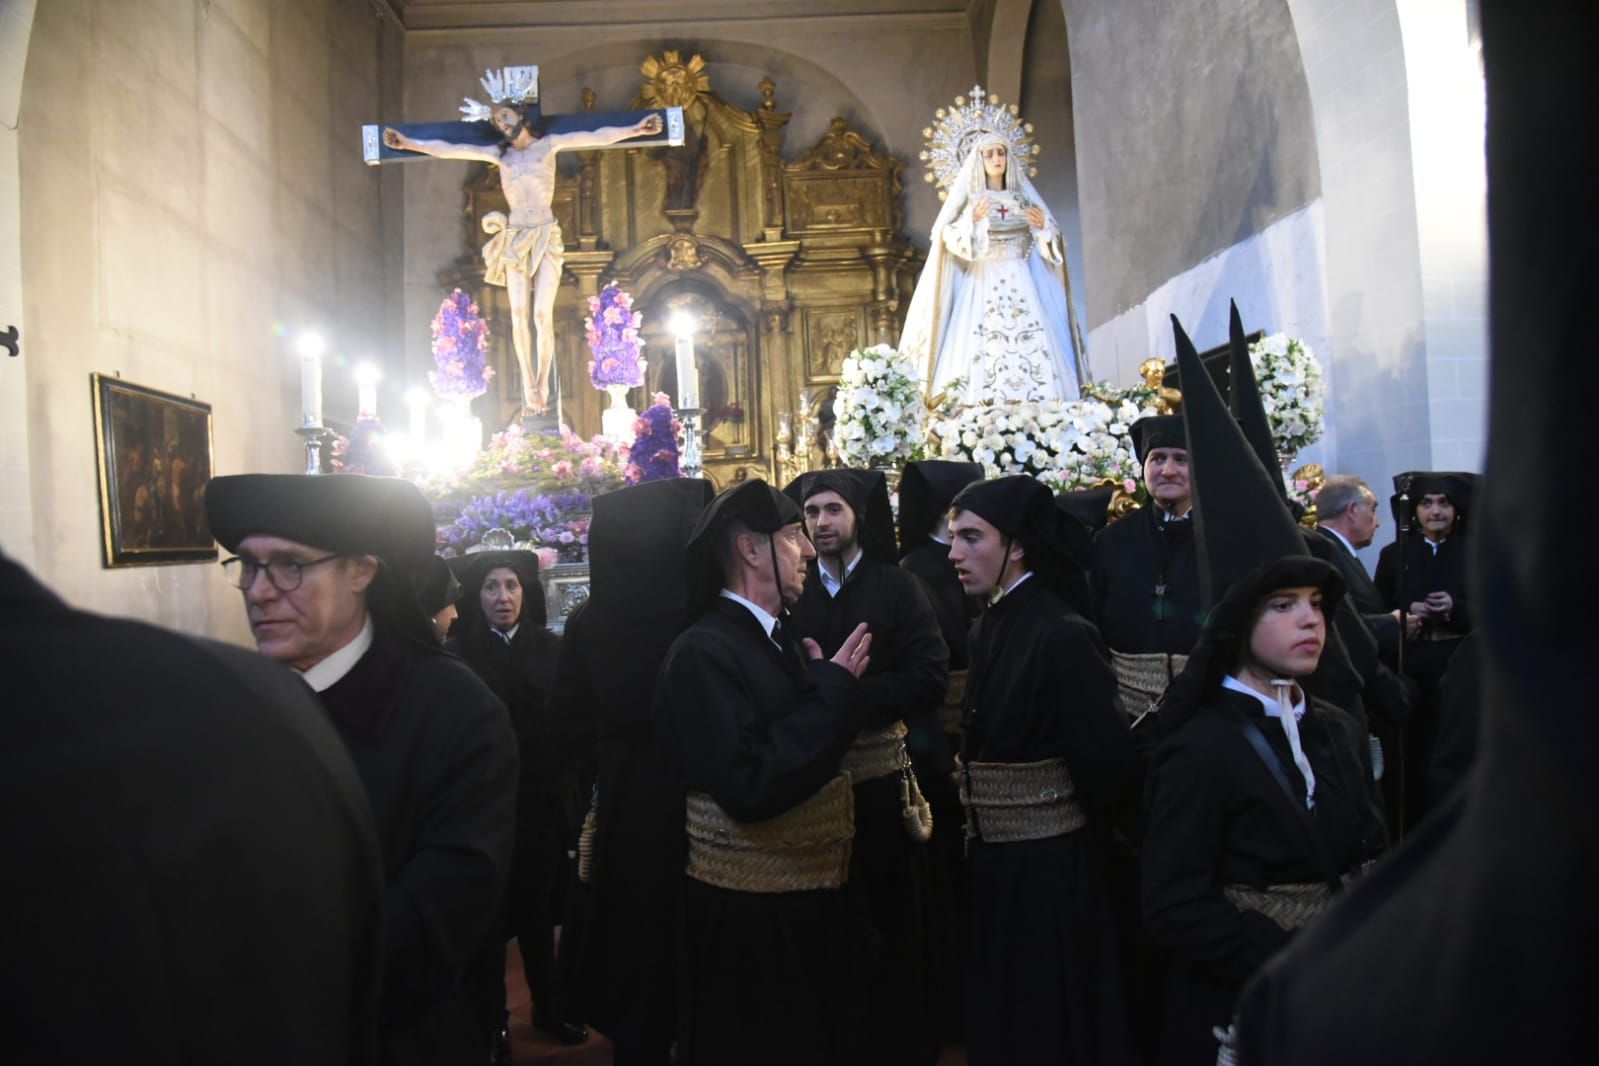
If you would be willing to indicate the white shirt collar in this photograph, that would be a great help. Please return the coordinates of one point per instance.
(330, 671)
(833, 584)
(1272, 709)
(762, 615)
(1434, 544)
(508, 634)
(1289, 717)
(1000, 594)
(1341, 538)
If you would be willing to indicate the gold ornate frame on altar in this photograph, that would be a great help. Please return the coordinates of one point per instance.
(787, 265)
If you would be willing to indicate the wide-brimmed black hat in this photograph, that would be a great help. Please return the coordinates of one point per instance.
(436, 586)
(524, 564)
(925, 491)
(866, 493)
(1157, 431)
(755, 504)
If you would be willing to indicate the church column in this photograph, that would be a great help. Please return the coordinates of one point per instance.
(777, 362)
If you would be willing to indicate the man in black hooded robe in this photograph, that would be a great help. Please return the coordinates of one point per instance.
(324, 563)
(1474, 942)
(757, 728)
(1047, 769)
(611, 654)
(854, 580)
(191, 870)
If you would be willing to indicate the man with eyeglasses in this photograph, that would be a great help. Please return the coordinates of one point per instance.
(324, 565)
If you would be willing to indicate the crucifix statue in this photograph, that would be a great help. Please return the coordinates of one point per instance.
(524, 252)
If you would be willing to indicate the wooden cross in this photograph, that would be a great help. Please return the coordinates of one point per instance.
(374, 151)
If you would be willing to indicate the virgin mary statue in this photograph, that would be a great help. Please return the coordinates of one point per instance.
(990, 307)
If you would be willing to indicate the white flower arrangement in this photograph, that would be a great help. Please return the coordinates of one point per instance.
(1292, 391)
(879, 409)
(1067, 445)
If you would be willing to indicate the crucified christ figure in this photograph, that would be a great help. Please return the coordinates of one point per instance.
(525, 252)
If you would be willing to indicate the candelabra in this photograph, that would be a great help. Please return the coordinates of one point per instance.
(315, 437)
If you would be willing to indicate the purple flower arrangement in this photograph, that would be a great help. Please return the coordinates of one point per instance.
(362, 452)
(460, 348)
(613, 328)
(653, 456)
(559, 521)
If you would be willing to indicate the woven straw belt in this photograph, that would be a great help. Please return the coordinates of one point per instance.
(806, 847)
(876, 753)
(1142, 678)
(1290, 906)
(1011, 801)
(949, 712)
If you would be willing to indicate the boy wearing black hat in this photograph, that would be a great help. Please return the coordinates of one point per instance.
(854, 580)
(1047, 767)
(324, 564)
(1145, 576)
(757, 729)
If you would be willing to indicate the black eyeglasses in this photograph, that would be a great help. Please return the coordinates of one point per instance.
(285, 574)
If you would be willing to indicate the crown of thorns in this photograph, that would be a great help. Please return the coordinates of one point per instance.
(957, 129)
(518, 86)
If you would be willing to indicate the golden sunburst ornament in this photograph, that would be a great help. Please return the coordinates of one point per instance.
(956, 129)
(670, 82)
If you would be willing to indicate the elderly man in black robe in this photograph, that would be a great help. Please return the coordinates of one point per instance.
(1145, 575)
(1047, 769)
(324, 564)
(758, 728)
(191, 870)
(854, 579)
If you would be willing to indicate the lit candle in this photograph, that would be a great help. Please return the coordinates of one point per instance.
(366, 396)
(688, 374)
(311, 379)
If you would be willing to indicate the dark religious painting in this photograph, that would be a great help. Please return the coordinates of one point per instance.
(154, 453)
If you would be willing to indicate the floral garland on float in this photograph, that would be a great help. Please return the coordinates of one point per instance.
(653, 455)
(879, 411)
(1292, 390)
(460, 349)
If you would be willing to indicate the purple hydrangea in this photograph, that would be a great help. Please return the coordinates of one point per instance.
(653, 456)
(556, 520)
(613, 328)
(460, 348)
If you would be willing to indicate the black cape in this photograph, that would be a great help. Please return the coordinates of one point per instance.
(191, 869)
(767, 978)
(1044, 982)
(905, 681)
(1364, 595)
(1145, 584)
(1217, 816)
(954, 609)
(435, 750)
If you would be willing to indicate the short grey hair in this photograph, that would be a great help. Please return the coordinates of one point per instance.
(1338, 492)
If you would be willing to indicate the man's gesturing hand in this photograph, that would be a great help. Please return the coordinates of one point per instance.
(852, 655)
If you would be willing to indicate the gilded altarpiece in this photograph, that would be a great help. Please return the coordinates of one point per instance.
(786, 263)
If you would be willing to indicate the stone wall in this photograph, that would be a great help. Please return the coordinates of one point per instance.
(192, 195)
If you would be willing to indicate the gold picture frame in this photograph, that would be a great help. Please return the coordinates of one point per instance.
(154, 454)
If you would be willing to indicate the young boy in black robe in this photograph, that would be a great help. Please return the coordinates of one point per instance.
(1047, 767)
(854, 580)
(757, 728)
(324, 564)
(1260, 799)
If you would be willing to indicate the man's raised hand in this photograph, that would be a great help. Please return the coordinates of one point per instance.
(852, 655)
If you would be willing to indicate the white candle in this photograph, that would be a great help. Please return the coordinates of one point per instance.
(366, 390)
(311, 389)
(688, 375)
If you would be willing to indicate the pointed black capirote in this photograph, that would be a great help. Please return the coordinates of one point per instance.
(1245, 399)
(1241, 519)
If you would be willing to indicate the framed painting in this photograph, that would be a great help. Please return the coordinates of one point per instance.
(154, 452)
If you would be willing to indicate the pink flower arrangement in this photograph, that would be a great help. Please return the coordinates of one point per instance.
(613, 328)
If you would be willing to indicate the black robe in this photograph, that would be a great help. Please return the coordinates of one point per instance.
(905, 681)
(1218, 816)
(955, 610)
(1145, 584)
(191, 873)
(765, 978)
(1426, 660)
(627, 974)
(435, 750)
(1044, 983)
